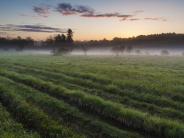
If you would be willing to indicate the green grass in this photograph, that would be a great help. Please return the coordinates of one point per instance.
(55, 96)
(10, 128)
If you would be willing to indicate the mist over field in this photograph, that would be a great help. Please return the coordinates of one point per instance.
(83, 89)
(91, 69)
(143, 52)
(105, 52)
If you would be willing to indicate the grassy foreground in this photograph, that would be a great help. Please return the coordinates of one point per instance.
(78, 97)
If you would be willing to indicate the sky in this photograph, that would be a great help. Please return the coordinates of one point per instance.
(90, 19)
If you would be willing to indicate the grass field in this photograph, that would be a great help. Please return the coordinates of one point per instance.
(98, 97)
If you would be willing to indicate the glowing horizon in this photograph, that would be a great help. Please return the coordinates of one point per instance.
(90, 20)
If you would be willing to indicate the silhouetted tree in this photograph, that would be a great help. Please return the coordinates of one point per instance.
(22, 43)
(121, 44)
(62, 43)
(63, 38)
(18, 43)
(70, 36)
(49, 41)
(58, 38)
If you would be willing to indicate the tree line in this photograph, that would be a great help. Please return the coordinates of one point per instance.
(65, 43)
(16, 43)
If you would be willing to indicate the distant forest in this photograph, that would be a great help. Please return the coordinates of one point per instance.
(65, 42)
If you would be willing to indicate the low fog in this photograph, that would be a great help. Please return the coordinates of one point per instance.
(141, 52)
(28, 52)
(103, 52)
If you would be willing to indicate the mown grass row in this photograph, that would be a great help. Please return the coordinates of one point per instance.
(117, 88)
(120, 88)
(67, 114)
(145, 102)
(105, 80)
(133, 119)
(33, 118)
(93, 81)
(9, 128)
(125, 100)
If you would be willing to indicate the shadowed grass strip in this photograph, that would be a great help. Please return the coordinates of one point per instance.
(9, 128)
(91, 81)
(130, 118)
(67, 114)
(32, 117)
(143, 102)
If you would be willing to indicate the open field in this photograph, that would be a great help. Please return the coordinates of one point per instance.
(79, 97)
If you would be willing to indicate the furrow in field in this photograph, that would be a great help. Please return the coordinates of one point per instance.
(171, 113)
(9, 128)
(93, 81)
(132, 119)
(97, 81)
(31, 117)
(116, 88)
(67, 114)
(145, 102)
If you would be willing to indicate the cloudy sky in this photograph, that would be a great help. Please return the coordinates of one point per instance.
(90, 19)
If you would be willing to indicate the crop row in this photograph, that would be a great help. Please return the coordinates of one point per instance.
(31, 117)
(120, 88)
(95, 80)
(133, 119)
(141, 102)
(98, 79)
(10, 128)
(65, 113)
